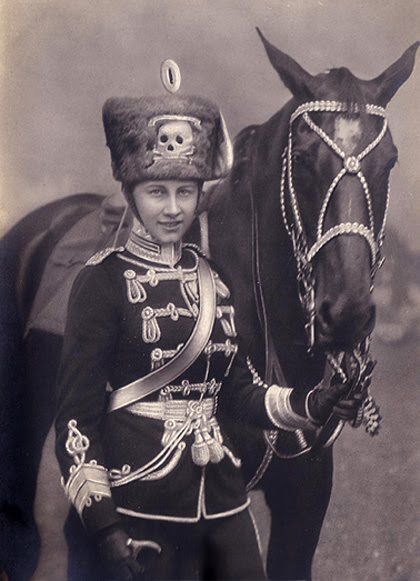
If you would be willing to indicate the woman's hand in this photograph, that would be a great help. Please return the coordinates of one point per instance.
(116, 555)
(324, 400)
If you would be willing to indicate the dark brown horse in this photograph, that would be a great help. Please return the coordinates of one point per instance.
(276, 222)
(306, 203)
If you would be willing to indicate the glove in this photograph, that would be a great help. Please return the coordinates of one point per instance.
(324, 400)
(116, 556)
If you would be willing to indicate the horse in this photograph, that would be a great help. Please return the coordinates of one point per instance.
(261, 230)
(297, 229)
(29, 360)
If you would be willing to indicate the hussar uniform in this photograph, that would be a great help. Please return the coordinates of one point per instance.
(150, 358)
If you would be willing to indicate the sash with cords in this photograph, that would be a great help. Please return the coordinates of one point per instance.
(197, 341)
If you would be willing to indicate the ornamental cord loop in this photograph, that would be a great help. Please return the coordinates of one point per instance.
(88, 480)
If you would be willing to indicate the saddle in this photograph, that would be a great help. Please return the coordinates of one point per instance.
(89, 234)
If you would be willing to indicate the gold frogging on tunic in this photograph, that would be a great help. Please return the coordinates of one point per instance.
(151, 332)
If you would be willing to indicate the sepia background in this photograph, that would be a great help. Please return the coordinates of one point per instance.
(60, 60)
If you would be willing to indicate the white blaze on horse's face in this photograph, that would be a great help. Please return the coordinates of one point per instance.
(347, 133)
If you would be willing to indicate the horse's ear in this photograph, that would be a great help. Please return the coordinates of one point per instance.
(296, 79)
(387, 84)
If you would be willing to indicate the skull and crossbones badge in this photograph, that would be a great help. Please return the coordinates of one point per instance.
(174, 133)
(174, 141)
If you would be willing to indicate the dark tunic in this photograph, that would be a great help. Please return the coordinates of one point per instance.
(127, 315)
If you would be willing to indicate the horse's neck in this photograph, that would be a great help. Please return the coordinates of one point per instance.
(256, 176)
(230, 236)
(277, 266)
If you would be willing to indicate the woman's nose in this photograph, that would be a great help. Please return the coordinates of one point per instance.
(172, 207)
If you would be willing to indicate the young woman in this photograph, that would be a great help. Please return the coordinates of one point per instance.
(149, 344)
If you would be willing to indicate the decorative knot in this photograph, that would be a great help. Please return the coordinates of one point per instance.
(129, 274)
(77, 444)
(147, 313)
(351, 164)
(153, 277)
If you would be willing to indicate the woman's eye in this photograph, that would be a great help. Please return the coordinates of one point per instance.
(156, 192)
(184, 193)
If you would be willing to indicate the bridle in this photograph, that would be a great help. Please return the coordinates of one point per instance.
(355, 367)
(305, 254)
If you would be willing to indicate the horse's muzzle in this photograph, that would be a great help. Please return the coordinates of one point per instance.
(342, 326)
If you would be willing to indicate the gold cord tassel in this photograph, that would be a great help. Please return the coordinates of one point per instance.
(215, 449)
(217, 434)
(199, 450)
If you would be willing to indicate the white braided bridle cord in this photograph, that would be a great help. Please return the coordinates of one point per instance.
(351, 165)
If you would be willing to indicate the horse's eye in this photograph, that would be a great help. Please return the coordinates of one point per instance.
(301, 159)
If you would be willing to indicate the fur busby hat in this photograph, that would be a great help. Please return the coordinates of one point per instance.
(167, 137)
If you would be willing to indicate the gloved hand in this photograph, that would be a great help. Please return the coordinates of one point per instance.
(116, 556)
(324, 400)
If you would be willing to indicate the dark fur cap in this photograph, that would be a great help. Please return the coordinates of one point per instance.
(141, 131)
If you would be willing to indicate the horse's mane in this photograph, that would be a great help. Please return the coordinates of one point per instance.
(241, 157)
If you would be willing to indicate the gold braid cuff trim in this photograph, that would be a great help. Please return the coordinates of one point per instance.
(87, 481)
(280, 412)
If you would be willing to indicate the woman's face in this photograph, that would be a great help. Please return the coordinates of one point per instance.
(167, 207)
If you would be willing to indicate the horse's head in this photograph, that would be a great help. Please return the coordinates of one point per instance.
(334, 191)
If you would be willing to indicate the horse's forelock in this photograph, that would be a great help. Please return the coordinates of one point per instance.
(347, 88)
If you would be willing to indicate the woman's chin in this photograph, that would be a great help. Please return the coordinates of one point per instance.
(168, 237)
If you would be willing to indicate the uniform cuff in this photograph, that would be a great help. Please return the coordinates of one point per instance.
(100, 515)
(280, 412)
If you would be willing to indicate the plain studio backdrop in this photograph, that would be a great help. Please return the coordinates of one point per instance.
(60, 60)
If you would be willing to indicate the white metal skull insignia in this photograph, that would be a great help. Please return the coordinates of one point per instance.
(174, 141)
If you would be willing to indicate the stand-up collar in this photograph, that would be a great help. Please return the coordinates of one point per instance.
(141, 245)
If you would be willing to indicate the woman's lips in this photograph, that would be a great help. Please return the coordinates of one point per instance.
(173, 225)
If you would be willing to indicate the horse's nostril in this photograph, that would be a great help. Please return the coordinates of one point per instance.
(325, 315)
(345, 323)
